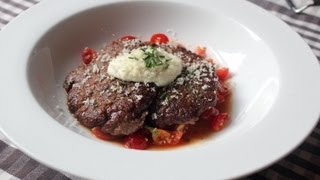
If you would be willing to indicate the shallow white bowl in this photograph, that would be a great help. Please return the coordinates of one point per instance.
(274, 108)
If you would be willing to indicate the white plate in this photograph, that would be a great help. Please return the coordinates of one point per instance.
(275, 75)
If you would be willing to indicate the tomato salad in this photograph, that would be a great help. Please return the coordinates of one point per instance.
(150, 136)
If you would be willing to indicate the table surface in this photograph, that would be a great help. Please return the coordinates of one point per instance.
(302, 163)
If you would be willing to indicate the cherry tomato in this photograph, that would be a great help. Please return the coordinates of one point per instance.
(99, 134)
(209, 113)
(159, 38)
(127, 38)
(136, 141)
(222, 73)
(201, 51)
(219, 121)
(88, 55)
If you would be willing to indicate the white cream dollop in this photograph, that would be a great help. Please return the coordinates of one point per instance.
(131, 67)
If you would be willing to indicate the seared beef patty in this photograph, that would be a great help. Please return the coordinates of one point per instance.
(194, 91)
(97, 99)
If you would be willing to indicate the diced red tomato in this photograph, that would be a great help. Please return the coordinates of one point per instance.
(201, 51)
(159, 38)
(222, 73)
(127, 38)
(88, 55)
(136, 141)
(99, 134)
(209, 113)
(219, 121)
(164, 137)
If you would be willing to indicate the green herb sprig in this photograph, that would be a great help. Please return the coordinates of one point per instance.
(153, 58)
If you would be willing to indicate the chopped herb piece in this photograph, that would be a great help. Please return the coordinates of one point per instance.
(153, 58)
(166, 66)
(153, 130)
(135, 58)
(163, 96)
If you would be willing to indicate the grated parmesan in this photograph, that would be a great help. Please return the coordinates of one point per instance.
(139, 97)
(95, 68)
